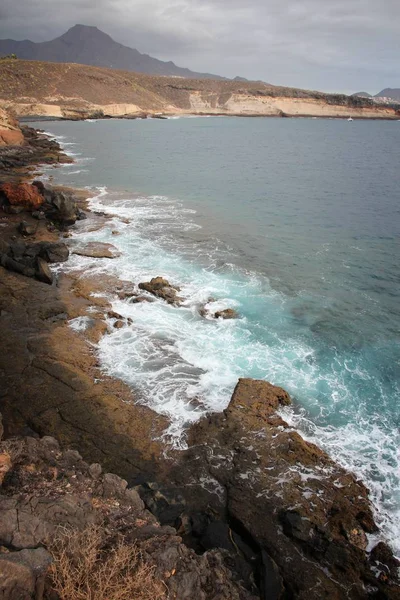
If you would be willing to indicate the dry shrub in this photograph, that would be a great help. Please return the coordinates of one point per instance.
(85, 568)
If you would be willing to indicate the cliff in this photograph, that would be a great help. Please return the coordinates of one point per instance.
(32, 88)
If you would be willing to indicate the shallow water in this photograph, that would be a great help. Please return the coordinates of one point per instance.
(295, 223)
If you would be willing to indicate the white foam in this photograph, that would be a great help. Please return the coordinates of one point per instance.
(185, 365)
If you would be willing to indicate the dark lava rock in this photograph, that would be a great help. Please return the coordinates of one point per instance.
(26, 229)
(43, 272)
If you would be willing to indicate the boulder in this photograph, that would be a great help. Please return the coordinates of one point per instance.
(22, 574)
(25, 195)
(25, 229)
(161, 288)
(62, 209)
(54, 252)
(97, 250)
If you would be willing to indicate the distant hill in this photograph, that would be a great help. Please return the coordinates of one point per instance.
(389, 93)
(89, 46)
(65, 90)
(362, 95)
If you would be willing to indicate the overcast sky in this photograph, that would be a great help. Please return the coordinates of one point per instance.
(331, 45)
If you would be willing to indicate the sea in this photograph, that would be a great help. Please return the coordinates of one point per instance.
(294, 223)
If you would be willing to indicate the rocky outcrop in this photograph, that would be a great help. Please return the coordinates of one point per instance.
(49, 491)
(10, 133)
(308, 518)
(97, 250)
(17, 161)
(161, 288)
(24, 195)
(30, 259)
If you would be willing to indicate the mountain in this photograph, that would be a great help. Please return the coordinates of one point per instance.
(362, 95)
(389, 93)
(89, 46)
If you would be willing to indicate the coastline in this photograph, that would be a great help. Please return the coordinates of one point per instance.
(81, 414)
(78, 92)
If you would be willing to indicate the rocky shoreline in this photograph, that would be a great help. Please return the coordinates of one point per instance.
(265, 513)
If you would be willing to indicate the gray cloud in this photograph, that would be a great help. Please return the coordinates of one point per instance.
(333, 45)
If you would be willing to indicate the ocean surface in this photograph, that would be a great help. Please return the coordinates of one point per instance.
(295, 223)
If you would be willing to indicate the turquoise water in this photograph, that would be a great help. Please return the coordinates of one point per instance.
(295, 223)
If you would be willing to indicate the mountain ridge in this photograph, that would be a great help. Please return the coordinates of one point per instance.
(88, 45)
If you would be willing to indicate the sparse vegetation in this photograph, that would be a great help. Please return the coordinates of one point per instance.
(88, 566)
(9, 57)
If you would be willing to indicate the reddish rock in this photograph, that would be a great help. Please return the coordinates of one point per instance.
(22, 194)
(11, 137)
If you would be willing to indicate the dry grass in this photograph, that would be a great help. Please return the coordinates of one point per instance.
(85, 568)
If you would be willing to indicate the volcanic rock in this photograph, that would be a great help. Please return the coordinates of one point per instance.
(22, 194)
(161, 288)
(26, 229)
(43, 272)
(22, 574)
(97, 250)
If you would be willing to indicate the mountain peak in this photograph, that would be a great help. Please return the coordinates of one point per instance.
(88, 45)
(88, 32)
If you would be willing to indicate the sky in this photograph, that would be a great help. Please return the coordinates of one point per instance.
(330, 45)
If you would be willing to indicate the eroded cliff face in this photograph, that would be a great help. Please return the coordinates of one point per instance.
(32, 88)
(10, 133)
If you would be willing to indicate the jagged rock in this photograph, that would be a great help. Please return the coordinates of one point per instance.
(51, 443)
(22, 194)
(227, 313)
(95, 470)
(28, 522)
(382, 556)
(26, 229)
(113, 486)
(22, 574)
(43, 272)
(161, 288)
(16, 266)
(97, 250)
(54, 252)
(61, 209)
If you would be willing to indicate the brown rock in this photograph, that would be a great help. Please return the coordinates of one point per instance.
(161, 288)
(22, 194)
(11, 137)
(5, 465)
(227, 313)
(22, 574)
(97, 250)
(118, 324)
